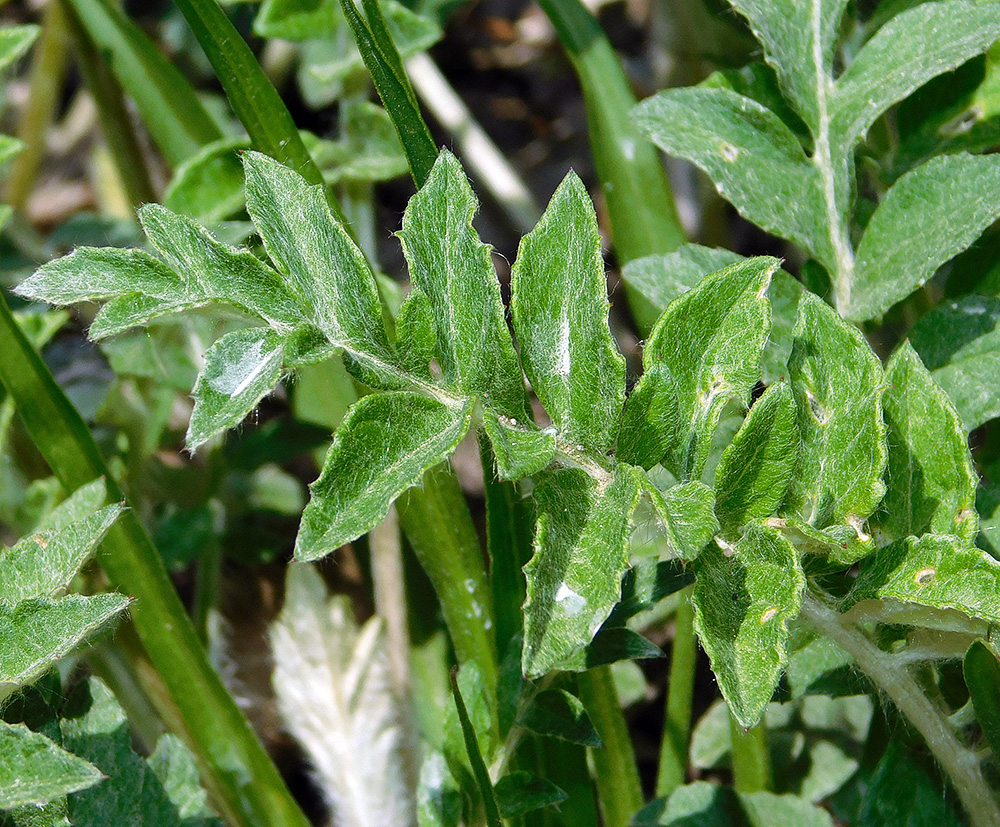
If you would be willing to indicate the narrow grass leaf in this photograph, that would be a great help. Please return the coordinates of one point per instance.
(753, 159)
(519, 449)
(710, 340)
(904, 245)
(981, 668)
(959, 342)
(581, 553)
(744, 596)
(687, 512)
(756, 469)
(35, 770)
(240, 369)
(937, 570)
(913, 47)
(452, 266)
(479, 771)
(838, 383)
(382, 447)
(649, 421)
(557, 713)
(931, 480)
(559, 302)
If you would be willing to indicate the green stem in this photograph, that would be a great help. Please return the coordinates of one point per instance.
(206, 586)
(48, 67)
(640, 203)
(615, 769)
(244, 783)
(116, 124)
(438, 525)
(672, 771)
(751, 757)
(898, 685)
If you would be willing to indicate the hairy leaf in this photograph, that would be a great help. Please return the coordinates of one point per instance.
(556, 713)
(837, 382)
(960, 344)
(981, 668)
(744, 596)
(755, 161)
(35, 770)
(453, 267)
(611, 645)
(687, 512)
(710, 340)
(646, 584)
(913, 47)
(416, 333)
(932, 483)
(382, 447)
(521, 792)
(756, 469)
(940, 571)
(581, 553)
(649, 421)
(520, 449)
(930, 215)
(559, 302)
(661, 279)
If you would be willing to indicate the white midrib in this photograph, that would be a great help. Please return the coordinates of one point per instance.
(823, 159)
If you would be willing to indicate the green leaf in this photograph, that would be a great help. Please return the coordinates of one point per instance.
(208, 185)
(519, 449)
(297, 19)
(711, 805)
(930, 215)
(559, 302)
(928, 41)
(754, 160)
(611, 645)
(687, 512)
(933, 483)
(14, 42)
(382, 447)
(174, 767)
(710, 340)
(960, 344)
(559, 714)
(646, 584)
(479, 771)
(453, 267)
(416, 333)
(798, 39)
(837, 382)
(35, 770)
(35, 633)
(649, 421)
(940, 571)
(47, 561)
(240, 369)
(521, 792)
(368, 148)
(581, 552)
(661, 279)
(744, 596)
(327, 273)
(981, 668)
(756, 469)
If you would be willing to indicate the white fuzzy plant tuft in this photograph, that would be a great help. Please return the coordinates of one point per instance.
(335, 698)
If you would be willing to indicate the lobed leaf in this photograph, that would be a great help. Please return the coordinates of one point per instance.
(937, 570)
(960, 344)
(687, 512)
(649, 422)
(744, 596)
(416, 333)
(710, 340)
(559, 302)
(913, 47)
(519, 449)
(35, 770)
(929, 216)
(581, 552)
(931, 480)
(752, 157)
(756, 469)
(240, 369)
(837, 382)
(382, 447)
(453, 267)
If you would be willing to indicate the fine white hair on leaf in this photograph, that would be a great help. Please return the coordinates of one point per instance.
(335, 697)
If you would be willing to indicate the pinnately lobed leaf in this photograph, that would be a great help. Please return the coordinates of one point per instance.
(560, 307)
(931, 480)
(581, 552)
(710, 341)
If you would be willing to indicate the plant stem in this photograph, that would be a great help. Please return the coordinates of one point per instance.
(48, 67)
(437, 522)
(751, 757)
(672, 772)
(615, 769)
(206, 586)
(245, 784)
(488, 164)
(958, 762)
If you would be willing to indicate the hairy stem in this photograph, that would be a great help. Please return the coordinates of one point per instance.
(751, 757)
(958, 762)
